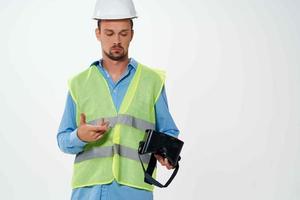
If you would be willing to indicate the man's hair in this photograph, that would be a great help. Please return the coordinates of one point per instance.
(99, 23)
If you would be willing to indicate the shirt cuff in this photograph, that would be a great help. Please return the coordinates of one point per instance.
(75, 141)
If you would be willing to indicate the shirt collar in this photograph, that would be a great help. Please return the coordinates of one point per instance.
(132, 63)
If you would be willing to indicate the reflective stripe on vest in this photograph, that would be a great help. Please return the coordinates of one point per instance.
(126, 120)
(109, 151)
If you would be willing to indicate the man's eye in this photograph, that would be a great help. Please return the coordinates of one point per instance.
(124, 34)
(109, 33)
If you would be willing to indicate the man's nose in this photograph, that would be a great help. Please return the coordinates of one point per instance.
(117, 39)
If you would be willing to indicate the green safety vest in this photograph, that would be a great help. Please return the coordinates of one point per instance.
(115, 155)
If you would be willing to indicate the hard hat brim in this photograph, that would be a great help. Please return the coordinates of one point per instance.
(113, 17)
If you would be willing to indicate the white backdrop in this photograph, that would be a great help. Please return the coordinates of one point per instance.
(233, 75)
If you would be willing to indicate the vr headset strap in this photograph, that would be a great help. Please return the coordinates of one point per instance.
(150, 169)
(148, 173)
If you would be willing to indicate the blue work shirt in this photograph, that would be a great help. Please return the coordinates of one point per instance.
(69, 142)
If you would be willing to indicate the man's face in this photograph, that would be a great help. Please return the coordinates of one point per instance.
(115, 37)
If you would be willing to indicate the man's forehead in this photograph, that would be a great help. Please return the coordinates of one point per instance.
(124, 23)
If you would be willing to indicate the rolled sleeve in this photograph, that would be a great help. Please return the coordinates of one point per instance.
(75, 141)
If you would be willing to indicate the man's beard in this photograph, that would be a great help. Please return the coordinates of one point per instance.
(117, 57)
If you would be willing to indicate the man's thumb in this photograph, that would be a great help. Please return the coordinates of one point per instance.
(82, 119)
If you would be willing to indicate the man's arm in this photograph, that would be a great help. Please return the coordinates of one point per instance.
(67, 138)
(164, 120)
(164, 124)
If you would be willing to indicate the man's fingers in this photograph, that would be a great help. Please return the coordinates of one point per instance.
(106, 124)
(99, 136)
(160, 159)
(100, 128)
(82, 119)
(96, 128)
(95, 135)
(168, 165)
(103, 123)
(163, 161)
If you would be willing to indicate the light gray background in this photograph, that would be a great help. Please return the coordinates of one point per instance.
(232, 82)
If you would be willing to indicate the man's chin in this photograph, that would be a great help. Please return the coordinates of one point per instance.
(116, 57)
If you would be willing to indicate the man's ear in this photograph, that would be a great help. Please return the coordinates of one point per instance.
(132, 33)
(97, 33)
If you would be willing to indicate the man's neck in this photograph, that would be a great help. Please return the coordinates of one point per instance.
(115, 68)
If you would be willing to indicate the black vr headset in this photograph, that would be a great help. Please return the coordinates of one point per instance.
(159, 143)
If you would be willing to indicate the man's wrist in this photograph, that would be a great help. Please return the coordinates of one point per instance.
(75, 140)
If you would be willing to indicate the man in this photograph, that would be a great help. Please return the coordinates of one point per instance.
(109, 106)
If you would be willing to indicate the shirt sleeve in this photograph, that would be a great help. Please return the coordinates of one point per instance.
(164, 120)
(67, 138)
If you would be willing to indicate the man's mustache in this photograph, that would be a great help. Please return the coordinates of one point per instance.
(117, 46)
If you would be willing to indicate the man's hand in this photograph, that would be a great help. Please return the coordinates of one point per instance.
(163, 161)
(91, 133)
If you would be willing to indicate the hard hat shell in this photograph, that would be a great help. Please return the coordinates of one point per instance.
(114, 9)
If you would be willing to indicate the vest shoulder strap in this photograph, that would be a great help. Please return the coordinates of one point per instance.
(159, 72)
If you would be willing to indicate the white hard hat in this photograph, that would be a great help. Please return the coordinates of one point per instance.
(114, 9)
